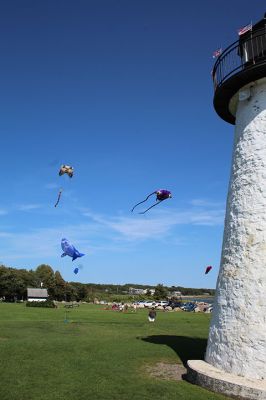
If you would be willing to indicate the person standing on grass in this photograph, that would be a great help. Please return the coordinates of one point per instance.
(152, 315)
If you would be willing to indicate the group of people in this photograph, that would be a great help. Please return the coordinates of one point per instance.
(124, 308)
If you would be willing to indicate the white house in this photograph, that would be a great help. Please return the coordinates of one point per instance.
(37, 294)
(132, 290)
(176, 293)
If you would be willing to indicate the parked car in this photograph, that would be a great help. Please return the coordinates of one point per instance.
(162, 303)
(150, 303)
(140, 304)
(188, 306)
(175, 304)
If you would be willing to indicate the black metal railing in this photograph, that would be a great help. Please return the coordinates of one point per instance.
(242, 54)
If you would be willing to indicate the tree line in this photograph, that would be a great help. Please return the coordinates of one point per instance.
(14, 283)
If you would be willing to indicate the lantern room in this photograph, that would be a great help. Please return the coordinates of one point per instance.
(240, 64)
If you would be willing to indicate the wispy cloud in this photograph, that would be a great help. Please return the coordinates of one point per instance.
(100, 232)
(206, 203)
(134, 228)
(51, 186)
(158, 224)
(211, 218)
(37, 243)
(28, 207)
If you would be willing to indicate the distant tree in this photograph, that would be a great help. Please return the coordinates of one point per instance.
(160, 292)
(14, 283)
(70, 292)
(45, 274)
(12, 287)
(173, 289)
(81, 291)
(60, 285)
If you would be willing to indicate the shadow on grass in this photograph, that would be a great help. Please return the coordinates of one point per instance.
(186, 348)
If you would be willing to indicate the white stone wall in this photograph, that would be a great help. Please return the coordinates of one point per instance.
(237, 337)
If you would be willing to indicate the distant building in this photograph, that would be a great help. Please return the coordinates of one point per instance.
(37, 294)
(175, 294)
(132, 290)
(151, 291)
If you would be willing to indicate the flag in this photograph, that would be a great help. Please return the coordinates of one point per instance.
(217, 53)
(245, 29)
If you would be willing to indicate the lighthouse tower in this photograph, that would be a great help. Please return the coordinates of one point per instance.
(235, 359)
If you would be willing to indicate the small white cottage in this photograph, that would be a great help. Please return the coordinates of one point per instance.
(37, 294)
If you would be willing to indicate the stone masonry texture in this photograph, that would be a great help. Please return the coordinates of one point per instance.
(237, 337)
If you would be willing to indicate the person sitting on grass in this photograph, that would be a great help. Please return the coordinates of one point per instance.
(152, 315)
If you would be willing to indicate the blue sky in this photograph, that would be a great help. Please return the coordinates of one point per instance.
(122, 91)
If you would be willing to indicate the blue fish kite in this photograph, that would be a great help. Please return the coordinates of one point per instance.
(70, 250)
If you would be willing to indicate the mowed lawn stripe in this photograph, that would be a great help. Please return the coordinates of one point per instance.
(97, 354)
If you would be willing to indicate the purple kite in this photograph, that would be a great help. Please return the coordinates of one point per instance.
(161, 195)
(70, 250)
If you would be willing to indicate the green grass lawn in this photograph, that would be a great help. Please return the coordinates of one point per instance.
(97, 355)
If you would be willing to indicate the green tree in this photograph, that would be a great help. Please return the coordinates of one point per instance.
(81, 291)
(12, 286)
(45, 274)
(160, 292)
(70, 292)
(60, 285)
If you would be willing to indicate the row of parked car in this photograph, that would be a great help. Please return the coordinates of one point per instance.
(188, 306)
(152, 303)
(161, 303)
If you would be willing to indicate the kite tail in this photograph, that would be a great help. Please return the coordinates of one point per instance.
(58, 198)
(142, 201)
(156, 204)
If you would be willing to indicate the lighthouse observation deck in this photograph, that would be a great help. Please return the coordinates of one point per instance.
(241, 63)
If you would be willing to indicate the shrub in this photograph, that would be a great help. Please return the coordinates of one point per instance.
(44, 304)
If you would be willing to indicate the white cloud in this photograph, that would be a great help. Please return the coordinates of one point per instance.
(51, 186)
(106, 233)
(28, 207)
(46, 242)
(156, 225)
(206, 203)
